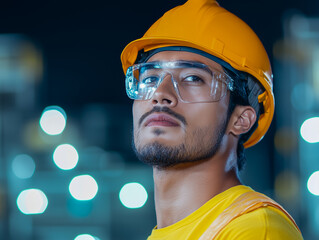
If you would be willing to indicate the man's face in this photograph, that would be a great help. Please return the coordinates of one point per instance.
(168, 131)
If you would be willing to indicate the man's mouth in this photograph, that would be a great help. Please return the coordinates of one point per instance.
(160, 119)
(162, 116)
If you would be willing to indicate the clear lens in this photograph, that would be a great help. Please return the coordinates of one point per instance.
(193, 81)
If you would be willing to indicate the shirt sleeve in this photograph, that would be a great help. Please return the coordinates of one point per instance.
(265, 223)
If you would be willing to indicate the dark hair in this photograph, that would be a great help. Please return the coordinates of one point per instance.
(246, 91)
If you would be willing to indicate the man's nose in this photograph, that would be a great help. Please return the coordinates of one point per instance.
(165, 94)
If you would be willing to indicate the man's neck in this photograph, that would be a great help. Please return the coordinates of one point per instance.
(181, 190)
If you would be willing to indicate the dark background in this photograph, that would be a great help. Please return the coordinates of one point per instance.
(82, 40)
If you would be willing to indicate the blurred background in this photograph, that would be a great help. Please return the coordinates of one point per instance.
(67, 170)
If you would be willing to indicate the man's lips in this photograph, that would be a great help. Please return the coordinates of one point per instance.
(160, 119)
(171, 116)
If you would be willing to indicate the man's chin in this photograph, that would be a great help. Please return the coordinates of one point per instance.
(160, 142)
(160, 155)
(167, 136)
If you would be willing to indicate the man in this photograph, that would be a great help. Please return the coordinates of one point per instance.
(202, 88)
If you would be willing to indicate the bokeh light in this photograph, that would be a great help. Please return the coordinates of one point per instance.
(309, 130)
(133, 195)
(85, 237)
(285, 140)
(32, 201)
(287, 186)
(313, 183)
(65, 157)
(83, 187)
(53, 120)
(23, 166)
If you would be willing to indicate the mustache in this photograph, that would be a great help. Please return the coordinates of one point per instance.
(165, 110)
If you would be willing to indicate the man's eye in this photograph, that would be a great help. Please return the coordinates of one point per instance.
(150, 80)
(193, 79)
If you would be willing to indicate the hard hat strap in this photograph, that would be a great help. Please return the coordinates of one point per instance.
(254, 90)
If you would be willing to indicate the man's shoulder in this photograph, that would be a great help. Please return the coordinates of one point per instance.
(262, 223)
(252, 215)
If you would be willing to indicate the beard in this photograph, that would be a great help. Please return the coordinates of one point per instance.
(205, 144)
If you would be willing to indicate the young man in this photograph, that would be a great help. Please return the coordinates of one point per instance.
(202, 87)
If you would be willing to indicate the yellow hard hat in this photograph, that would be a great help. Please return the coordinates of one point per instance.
(204, 25)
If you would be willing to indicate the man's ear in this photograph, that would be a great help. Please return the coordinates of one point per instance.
(241, 120)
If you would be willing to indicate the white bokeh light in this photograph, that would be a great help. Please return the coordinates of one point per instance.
(23, 166)
(65, 157)
(32, 201)
(83, 187)
(85, 237)
(313, 183)
(133, 195)
(53, 120)
(309, 130)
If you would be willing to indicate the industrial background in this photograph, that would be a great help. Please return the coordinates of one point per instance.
(67, 170)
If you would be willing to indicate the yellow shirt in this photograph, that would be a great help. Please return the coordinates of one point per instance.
(266, 223)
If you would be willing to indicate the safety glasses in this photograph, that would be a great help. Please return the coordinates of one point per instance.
(193, 81)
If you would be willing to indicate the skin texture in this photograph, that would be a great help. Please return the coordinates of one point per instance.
(203, 142)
